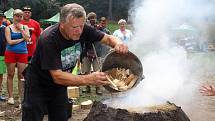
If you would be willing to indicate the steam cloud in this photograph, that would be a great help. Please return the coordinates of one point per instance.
(171, 73)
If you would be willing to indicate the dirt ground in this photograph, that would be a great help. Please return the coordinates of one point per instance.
(13, 113)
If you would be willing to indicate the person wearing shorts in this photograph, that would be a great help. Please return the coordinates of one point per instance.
(2, 50)
(16, 53)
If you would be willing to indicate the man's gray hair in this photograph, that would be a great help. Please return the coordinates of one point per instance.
(72, 10)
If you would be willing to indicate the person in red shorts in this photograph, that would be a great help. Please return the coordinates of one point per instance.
(34, 28)
(16, 52)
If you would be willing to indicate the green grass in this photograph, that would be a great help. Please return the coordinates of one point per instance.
(112, 26)
(15, 86)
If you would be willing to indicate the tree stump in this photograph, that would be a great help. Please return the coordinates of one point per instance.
(166, 112)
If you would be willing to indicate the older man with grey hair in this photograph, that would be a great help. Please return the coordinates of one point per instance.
(47, 76)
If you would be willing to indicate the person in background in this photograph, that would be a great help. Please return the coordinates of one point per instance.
(47, 76)
(2, 50)
(34, 28)
(6, 22)
(123, 33)
(208, 90)
(101, 49)
(92, 19)
(102, 26)
(88, 57)
(16, 52)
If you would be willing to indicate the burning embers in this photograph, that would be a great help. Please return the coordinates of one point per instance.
(121, 79)
(166, 112)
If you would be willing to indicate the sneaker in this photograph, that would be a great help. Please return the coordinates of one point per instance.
(86, 90)
(98, 91)
(10, 101)
(19, 100)
(2, 98)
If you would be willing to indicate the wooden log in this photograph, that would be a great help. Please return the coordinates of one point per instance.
(129, 79)
(113, 72)
(86, 104)
(112, 83)
(123, 88)
(76, 107)
(120, 84)
(73, 92)
(2, 113)
(131, 84)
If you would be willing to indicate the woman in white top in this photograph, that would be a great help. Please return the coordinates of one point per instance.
(123, 33)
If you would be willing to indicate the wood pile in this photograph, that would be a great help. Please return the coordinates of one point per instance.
(121, 79)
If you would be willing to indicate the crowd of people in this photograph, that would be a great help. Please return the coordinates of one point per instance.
(46, 59)
(18, 42)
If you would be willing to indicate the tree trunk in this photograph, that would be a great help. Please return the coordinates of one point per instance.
(110, 14)
(166, 112)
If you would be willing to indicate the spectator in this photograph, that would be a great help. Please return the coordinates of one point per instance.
(123, 33)
(103, 25)
(208, 90)
(2, 50)
(16, 51)
(102, 49)
(46, 79)
(6, 22)
(92, 19)
(34, 28)
(88, 58)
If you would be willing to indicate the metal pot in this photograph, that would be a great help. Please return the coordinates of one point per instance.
(127, 61)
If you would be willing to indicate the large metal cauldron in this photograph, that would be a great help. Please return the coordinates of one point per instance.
(127, 61)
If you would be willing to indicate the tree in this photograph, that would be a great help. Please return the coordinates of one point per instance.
(42, 9)
(110, 12)
(3, 4)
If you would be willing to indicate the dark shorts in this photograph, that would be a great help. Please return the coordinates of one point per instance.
(39, 99)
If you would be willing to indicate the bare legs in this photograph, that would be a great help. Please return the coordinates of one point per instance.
(10, 75)
(11, 72)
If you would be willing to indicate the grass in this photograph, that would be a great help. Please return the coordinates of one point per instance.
(15, 86)
(112, 26)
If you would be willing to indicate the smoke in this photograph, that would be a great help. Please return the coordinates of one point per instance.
(170, 72)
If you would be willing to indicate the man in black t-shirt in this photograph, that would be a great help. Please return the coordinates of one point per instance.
(47, 77)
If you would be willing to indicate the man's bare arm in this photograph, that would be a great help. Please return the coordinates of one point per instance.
(115, 42)
(68, 79)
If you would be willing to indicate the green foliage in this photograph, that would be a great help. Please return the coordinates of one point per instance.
(43, 9)
(112, 26)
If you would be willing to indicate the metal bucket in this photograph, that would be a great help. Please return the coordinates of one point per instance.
(127, 61)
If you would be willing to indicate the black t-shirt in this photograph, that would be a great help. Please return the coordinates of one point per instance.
(54, 52)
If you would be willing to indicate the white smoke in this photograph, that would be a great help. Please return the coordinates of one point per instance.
(170, 72)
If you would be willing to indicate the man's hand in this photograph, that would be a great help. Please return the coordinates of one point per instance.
(121, 48)
(97, 78)
(207, 90)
